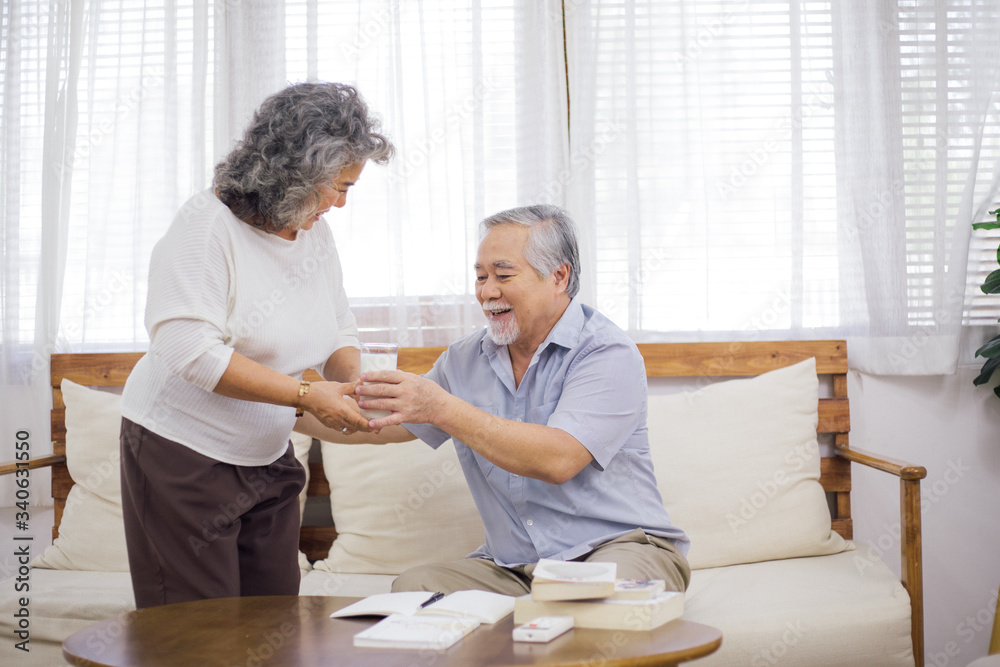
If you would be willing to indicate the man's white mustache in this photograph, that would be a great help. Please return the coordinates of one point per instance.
(496, 306)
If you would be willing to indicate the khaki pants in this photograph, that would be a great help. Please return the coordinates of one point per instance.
(638, 555)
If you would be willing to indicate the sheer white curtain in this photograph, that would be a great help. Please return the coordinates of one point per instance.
(742, 168)
(785, 169)
(473, 95)
(114, 112)
(104, 130)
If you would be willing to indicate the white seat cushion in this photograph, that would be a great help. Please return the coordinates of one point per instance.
(812, 612)
(62, 602)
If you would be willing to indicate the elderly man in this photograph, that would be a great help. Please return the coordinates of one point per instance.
(547, 409)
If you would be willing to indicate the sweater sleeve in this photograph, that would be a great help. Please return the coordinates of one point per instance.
(193, 350)
(190, 274)
(190, 279)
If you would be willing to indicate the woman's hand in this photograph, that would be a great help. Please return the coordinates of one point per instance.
(332, 403)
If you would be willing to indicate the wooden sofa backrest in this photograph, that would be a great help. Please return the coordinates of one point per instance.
(697, 361)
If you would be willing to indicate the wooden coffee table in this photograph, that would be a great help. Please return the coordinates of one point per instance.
(298, 631)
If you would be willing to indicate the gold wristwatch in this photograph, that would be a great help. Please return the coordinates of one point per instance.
(303, 390)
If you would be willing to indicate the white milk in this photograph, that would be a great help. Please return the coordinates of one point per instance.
(377, 361)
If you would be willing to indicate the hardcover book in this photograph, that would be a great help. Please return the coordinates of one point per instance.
(605, 614)
(638, 589)
(572, 580)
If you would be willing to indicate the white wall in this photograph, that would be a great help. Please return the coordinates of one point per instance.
(951, 428)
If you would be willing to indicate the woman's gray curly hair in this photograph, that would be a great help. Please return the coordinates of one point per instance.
(299, 140)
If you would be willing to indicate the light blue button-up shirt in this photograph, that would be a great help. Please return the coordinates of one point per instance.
(588, 379)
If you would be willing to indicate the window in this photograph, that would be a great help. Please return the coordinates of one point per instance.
(736, 167)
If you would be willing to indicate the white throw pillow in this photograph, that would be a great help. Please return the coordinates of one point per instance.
(396, 506)
(737, 463)
(92, 531)
(302, 444)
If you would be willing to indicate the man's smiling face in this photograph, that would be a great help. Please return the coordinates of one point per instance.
(519, 304)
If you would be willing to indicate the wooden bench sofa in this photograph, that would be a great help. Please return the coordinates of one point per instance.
(697, 364)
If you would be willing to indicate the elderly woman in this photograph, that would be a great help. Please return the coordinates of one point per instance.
(245, 294)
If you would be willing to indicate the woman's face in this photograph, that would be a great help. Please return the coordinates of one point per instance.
(333, 195)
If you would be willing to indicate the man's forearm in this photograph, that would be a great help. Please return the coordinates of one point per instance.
(531, 450)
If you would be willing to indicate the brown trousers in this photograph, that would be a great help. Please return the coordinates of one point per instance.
(199, 528)
(638, 556)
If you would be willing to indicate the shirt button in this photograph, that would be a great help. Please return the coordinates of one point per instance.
(530, 522)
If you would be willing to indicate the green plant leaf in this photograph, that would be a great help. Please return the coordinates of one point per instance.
(992, 283)
(996, 213)
(991, 349)
(987, 371)
(986, 225)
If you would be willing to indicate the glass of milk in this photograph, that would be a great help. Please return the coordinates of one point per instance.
(378, 357)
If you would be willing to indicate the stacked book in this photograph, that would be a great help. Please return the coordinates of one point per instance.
(595, 598)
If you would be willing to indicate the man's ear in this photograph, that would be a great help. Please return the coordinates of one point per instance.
(561, 276)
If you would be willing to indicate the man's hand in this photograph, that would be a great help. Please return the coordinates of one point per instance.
(412, 398)
(326, 401)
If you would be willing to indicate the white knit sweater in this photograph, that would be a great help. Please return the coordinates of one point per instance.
(218, 285)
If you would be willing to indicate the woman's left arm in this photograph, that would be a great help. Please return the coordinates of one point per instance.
(248, 380)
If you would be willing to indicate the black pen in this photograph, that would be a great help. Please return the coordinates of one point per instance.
(431, 600)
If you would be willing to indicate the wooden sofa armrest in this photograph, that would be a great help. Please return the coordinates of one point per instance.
(41, 462)
(911, 558)
(900, 469)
